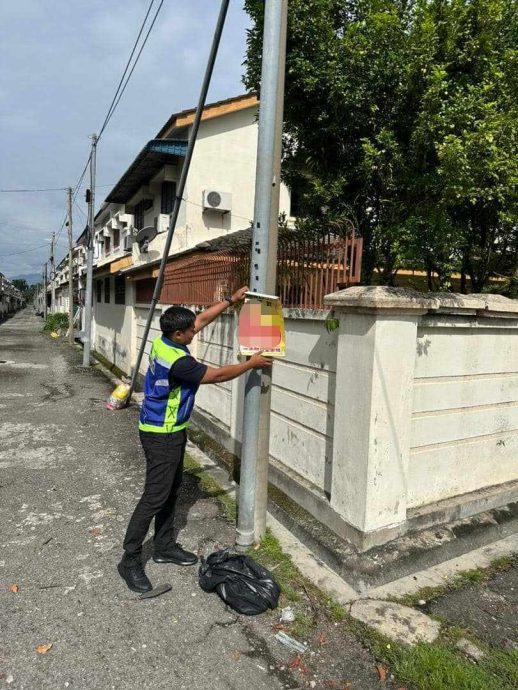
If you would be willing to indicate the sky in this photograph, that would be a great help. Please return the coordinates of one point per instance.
(60, 63)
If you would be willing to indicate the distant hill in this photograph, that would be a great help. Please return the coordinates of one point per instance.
(31, 278)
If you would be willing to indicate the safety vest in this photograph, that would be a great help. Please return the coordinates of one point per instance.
(165, 409)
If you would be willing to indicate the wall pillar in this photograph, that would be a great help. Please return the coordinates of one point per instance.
(374, 381)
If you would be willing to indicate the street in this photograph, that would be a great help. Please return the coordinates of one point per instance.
(70, 474)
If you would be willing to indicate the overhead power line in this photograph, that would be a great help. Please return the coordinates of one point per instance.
(48, 189)
(121, 87)
(25, 251)
(110, 113)
(112, 104)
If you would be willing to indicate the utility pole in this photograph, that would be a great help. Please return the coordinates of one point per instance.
(45, 291)
(70, 272)
(181, 187)
(87, 339)
(253, 486)
(52, 275)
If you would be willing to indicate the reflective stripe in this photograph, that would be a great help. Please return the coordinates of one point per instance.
(163, 362)
(162, 382)
(164, 429)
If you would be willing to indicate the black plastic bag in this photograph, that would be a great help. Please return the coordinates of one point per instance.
(242, 583)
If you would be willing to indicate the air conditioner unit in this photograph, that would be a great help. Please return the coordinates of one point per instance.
(106, 232)
(128, 243)
(217, 201)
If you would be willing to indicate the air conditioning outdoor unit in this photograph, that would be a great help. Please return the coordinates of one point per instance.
(217, 201)
(128, 243)
(106, 232)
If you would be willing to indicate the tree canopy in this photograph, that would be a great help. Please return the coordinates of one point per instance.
(403, 115)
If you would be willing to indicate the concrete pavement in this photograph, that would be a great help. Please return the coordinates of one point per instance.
(70, 473)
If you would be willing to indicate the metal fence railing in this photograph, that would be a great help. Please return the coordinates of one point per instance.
(307, 270)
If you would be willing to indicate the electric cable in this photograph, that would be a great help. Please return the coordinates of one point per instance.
(109, 116)
(49, 189)
(25, 251)
(112, 106)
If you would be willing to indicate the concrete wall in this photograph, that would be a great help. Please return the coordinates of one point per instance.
(464, 431)
(405, 415)
(113, 327)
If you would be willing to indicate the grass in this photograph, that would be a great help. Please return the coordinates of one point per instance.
(437, 666)
(459, 581)
(55, 322)
(212, 488)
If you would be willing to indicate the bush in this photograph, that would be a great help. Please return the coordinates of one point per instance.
(55, 322)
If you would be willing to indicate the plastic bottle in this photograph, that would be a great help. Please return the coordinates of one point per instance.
(118, 398)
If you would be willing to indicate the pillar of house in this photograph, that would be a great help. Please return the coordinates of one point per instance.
(374, 379)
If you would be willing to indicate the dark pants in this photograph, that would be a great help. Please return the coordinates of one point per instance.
(164, 468)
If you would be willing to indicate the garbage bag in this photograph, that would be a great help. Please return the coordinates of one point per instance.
(242, 583)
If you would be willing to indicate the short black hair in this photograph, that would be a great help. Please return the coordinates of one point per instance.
(176, 319)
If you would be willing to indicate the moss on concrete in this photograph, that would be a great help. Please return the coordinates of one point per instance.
(460, 580)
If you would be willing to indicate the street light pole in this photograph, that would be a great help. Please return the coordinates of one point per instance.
(70, 272)
(253, 485)
(52, 276)
(45, 291)
(87, 338)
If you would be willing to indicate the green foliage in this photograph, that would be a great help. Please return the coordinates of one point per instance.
(404, 113)
(55, 322)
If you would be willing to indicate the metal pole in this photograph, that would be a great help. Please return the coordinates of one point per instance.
(53, 274)
(181, 187)
(253, 485)
(87, 337)
(45, 291)
(70, 272)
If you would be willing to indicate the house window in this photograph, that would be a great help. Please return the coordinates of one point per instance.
(107, 290)
(116, 238)
(145, 290)
(168, 194)
(120, 290)
(139, 215)
(107, 245)
(99, 287)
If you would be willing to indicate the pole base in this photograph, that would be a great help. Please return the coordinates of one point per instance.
(244, 540)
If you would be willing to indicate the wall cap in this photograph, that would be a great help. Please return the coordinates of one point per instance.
(381, 298)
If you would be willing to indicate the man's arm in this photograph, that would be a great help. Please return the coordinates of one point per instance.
(232, 371)
(215, 310)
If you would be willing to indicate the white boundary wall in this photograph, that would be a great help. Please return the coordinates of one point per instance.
(405, 415)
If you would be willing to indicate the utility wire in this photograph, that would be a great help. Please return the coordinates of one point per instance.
(49, 189)
(25, 251)
(112, 106)
(119, 92)
(132, 69)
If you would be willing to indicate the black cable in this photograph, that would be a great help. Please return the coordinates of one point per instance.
(112, 107)
(135, 63)
(49, 189)
(25, 251)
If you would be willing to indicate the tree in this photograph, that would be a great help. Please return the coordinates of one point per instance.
(402, 113)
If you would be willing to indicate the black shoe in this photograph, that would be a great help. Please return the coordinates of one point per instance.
(134, 576)
(175, 554)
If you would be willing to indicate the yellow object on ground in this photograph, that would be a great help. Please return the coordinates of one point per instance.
(119, 397)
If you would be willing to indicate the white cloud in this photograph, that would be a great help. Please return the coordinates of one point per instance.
(61, 63)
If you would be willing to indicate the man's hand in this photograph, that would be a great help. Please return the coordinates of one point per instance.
(239, 295)
(258, 361)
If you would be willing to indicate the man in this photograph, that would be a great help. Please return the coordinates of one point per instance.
(170, 385)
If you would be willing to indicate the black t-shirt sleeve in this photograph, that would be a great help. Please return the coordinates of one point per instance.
(186, 370)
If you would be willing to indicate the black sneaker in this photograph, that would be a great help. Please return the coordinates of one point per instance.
(134, 576)
(175, 554)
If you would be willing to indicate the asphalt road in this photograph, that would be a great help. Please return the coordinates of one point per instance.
(70, 474)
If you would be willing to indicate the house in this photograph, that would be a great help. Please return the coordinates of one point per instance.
(11, 299)
(58, 284)
(218, 200)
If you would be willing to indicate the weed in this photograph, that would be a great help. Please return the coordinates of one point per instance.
(55, 322)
